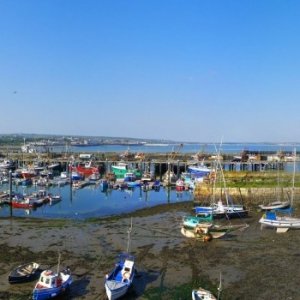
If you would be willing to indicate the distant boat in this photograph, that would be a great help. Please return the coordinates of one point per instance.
(85, 169)
(199, 170)
(121, 168)
(54, 199)
(25, 272)
(6, 164)
(156, 145)
(282, 223)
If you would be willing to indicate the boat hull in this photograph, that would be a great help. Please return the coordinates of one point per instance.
(275, 205)
(24, 273)
(121, 278)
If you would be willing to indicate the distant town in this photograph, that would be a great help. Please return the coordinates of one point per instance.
(62, 140)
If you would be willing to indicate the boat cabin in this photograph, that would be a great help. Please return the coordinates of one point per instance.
(48, 279)
(127, 270)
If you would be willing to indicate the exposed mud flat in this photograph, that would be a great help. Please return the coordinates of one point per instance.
(254, 263)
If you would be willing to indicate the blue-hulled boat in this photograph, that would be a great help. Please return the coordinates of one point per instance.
(120, 279)
(52, 284)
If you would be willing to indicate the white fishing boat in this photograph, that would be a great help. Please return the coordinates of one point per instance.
(118, 282)
(202, 294)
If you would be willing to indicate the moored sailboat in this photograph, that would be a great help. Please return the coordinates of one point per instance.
(282, 223)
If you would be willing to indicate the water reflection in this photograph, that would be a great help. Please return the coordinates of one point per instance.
(91, 201)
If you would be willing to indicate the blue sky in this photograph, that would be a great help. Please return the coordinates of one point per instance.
(191, 70)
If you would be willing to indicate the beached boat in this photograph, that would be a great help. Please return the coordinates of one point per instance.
(207, 230)
(52, 284)
(193, 221)
(219, 210)
(203, 232)
(282, 223)
(202, 294)
(25, 272)
(275, 205)
(120, 279)
(118, 282)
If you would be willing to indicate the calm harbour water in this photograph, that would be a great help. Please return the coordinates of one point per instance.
(91, 202)
(186, 148)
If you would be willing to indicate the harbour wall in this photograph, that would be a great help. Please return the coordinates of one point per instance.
(252, 196)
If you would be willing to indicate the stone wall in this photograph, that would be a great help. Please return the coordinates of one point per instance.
(250, 196)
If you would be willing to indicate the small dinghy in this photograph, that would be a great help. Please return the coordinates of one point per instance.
(23, 273)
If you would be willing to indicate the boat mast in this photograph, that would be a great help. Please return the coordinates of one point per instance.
(222, 172)
(293, 178)
(129, 232)
(58, 262)
(220, 287)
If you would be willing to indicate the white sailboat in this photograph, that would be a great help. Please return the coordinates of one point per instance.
(219, 209)
(279, 203)
(282, 223)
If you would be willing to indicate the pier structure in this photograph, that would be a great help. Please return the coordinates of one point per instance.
(160, 163)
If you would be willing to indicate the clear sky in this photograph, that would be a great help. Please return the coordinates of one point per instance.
(185, 70)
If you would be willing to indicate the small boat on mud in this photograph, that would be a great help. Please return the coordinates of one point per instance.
(118, 282)
(120, 279)
(207, 231)
(52, 284)
(275, 205)
(25, 272)
(202, 294)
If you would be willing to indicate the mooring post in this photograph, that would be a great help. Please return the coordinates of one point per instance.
(10, 191)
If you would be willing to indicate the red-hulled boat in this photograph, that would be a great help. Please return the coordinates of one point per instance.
(85, 169)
